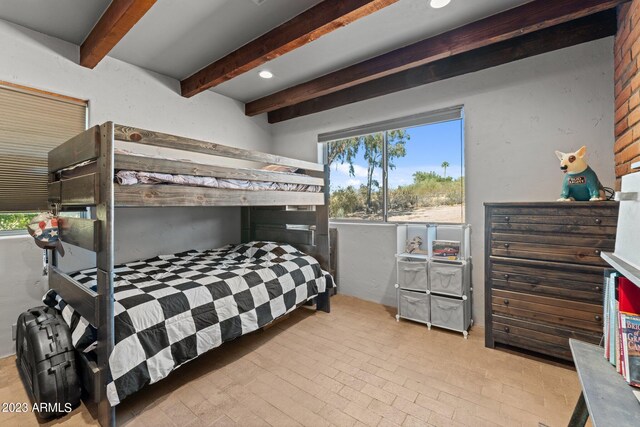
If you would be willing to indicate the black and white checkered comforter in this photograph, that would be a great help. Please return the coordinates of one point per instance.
(172, 308)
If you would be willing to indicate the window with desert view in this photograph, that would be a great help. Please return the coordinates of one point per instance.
(424, 175)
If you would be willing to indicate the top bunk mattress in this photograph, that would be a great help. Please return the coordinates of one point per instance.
(126, 177)
(171, 308)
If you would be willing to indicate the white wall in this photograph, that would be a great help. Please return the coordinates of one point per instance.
(516, 115)
(133, 96)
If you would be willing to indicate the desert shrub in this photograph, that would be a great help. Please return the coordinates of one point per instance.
(345, 202)
(402, 198)
(428, 190)
(15, 221)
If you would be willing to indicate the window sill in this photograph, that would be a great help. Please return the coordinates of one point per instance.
(19, 232)
(13, 234)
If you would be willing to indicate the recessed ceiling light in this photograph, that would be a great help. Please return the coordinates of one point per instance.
(437, 4)
(265, 74)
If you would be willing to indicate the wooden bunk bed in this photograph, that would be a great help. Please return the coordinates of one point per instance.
(266, 215)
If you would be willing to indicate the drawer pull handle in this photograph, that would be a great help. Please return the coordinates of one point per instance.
(597, 252)
(506, 301)
(506, 245)
(598, 288)
(598, 318)
(598, 221)
(506, 329)
(506, 277)
(507, 219)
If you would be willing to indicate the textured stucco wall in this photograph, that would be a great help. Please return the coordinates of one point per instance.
(516, 115)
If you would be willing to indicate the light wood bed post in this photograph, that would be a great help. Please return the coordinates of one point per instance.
(104, 263)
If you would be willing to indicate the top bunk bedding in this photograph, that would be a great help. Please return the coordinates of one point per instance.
(200, 173)
(220, 180)
(126, 177)
(171, 308)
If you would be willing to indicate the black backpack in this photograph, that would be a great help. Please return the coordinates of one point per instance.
(47, 362)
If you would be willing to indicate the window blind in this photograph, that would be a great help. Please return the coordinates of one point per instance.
(31, 124)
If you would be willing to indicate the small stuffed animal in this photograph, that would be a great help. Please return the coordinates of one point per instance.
(44, 229)
(414, 246)
(580, 181)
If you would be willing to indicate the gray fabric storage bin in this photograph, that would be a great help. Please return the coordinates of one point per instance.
(450, 313)
(413, 306)
(413, 275)
(448, 278)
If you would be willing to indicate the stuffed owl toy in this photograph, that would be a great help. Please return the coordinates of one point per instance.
(580, 181)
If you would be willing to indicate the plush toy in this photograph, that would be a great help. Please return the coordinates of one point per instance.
(414, 246)
(580, 181)
(44, 229)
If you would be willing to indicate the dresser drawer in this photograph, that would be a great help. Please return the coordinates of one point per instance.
(527, 343)
(570, 314)
(594, 220)
(539, 337)
(542, 331)
(413, 275)
(568, 229)
(608, 209)
(507, 247)
(567, 281)
(591, 221)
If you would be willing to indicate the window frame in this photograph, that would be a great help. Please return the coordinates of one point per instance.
(420, 119)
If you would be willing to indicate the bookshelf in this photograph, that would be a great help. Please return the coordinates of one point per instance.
(629, 271)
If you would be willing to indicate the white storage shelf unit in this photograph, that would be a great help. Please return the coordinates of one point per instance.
(435, 292)
(430, 232)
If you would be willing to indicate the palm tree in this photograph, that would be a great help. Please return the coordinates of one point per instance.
(445, 165)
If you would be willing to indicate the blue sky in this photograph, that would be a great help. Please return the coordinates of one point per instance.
(428, 147)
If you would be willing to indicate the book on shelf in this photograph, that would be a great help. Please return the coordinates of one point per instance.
(630, 326)
(621, 326)
(611, 344)
(629, 296)
(620, 344)
(609, 295)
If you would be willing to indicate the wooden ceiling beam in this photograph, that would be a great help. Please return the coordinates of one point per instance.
(117, 20)
(310, 25)
(583, 30)
(530, 17)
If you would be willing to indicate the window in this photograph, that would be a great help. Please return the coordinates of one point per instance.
(417, 176)
(32, 122)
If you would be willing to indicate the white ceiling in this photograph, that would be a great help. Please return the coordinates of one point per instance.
(178, 37)
(69, 20)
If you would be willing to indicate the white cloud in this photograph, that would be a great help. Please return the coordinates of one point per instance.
(358, 171)
(402, 175)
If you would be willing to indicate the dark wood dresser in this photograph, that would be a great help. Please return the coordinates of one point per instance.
(544, 274)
